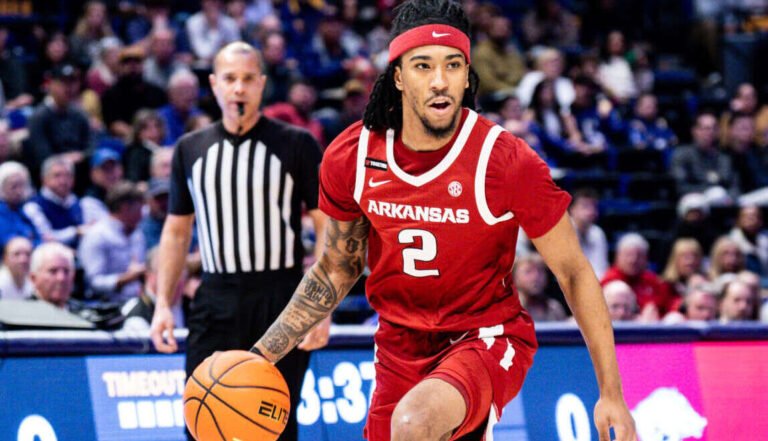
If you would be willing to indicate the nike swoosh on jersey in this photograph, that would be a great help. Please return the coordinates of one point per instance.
(373, 184)
(453, 342)
(436, 35)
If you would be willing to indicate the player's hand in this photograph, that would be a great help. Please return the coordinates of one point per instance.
(614, 413)
(317, 337)
(161, 330)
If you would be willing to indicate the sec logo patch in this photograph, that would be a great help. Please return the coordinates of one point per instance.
(454, 189)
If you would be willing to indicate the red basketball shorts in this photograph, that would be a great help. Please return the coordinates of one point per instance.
(487, 366)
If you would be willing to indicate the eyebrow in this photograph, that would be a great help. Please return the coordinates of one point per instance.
(427, 57)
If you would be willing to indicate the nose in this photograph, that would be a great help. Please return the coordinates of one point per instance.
(439, 81)
(239, 87)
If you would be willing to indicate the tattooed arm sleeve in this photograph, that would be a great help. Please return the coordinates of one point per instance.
(325, 284)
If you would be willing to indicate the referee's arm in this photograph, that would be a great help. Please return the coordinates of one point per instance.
(172, 256)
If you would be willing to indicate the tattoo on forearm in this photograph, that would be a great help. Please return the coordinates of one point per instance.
(275, 340)
(323, 287)
(318, 289)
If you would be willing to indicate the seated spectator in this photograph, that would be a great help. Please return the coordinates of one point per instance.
(151, 225)
(330, 54)
(103, 72)
(198, 122)
(684, 261)
(755, 284)
(621, 301)
(112, 251)
(138, 311)
(15, 189)
(183, 97)
(699, 304)
(352, 109)
(550, 24)
(55, 210)
(14, 273)
(745, 154)
(54, 53)
(147, 135)
(737, 302)
(161, 63)
(259, 10)
(584, 213)
(498, 63)
(654, 298)
(598, 122)
(559, 133)
(9, 151)
(520, 123)
(52, 271)
(13, 77)
(150, 15)
(614, 72)
(58, 126)
(209, 30)
(129, 94)
(298, 110)
(530, 276)
(693, 221)
(549, 65)
(726, 258)
(646, 130)
(702, 167)
(745, 102)
(92, 26)
(643, 68)
(749, 235)
(106, 172)
(160, 165)
(280, 70)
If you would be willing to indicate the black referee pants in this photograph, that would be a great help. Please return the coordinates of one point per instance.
(233, 312)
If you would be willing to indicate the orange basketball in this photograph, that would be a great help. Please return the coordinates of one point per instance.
(236, 396)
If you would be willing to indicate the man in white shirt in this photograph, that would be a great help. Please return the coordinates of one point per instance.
(112, 251)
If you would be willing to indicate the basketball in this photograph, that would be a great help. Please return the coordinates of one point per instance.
(236, 395)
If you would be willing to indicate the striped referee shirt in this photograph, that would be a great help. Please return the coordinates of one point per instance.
(246, 193)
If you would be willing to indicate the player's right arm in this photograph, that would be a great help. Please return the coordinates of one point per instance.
(172, 256)
(321, 290)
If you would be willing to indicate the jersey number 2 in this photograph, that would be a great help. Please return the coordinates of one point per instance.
(426, 253)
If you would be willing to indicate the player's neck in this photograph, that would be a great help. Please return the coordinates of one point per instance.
(239, 126)
(418, 138)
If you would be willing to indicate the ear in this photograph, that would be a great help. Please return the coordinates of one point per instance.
(466, 80)
(212, 80)
(398, 76)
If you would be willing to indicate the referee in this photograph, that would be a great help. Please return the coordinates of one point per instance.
(245, 179)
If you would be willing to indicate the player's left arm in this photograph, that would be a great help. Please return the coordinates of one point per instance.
(318, 337)
(561, 250)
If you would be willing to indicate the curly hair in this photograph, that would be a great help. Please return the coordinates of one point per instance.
(385, 107)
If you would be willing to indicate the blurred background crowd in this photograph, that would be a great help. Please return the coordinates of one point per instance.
(651, 113)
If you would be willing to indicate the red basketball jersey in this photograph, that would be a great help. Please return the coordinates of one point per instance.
(443, 236)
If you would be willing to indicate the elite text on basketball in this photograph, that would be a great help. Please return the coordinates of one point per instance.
(274, 412)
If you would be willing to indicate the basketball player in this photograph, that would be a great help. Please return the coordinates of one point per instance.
(434, 194)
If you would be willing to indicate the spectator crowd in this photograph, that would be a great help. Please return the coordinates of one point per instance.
(666, 162)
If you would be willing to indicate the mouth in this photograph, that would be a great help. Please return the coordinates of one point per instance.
(441, 105)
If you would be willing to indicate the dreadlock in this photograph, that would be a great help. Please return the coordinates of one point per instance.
(385, 107)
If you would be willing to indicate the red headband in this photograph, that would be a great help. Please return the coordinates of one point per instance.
(426, 35)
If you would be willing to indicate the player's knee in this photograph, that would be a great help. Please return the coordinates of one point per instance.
(412, 423)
